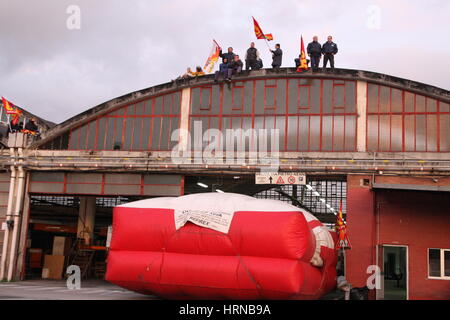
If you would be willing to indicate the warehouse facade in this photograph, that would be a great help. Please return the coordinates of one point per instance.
(379, 143)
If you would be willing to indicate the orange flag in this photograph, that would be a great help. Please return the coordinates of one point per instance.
(259, 33)
(212, 58)
(343, 242)
(303, 63)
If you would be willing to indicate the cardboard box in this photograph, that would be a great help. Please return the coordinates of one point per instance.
(45, 273)
(55, 265)
(61, 246)
(35, 258)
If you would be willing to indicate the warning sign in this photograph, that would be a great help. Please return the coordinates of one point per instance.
(280, 178)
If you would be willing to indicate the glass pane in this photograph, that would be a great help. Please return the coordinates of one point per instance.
(432, 133)
(409, 133)
(303, 131)
(397, 101)
(396, 133)
(315, 134)
(350, 133)
(292, 133)
(92, 135)
(385, 99)
(409, 102)
(445, 132)
(327, 133)
(83, 134)
(372, 97)
(434, 257)
(338, 134)
(447, 263)
(372, 132)
(385, 133)
(420, 103)
(421, 138)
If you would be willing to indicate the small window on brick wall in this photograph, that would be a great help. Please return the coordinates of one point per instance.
(439, 263)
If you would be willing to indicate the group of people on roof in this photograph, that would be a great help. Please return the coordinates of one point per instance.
(30, 127)
(232, 64)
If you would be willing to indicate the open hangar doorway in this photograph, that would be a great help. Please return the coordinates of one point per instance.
(55, 239)
(321, 195)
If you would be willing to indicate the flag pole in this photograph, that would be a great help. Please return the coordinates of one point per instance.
(267, 42)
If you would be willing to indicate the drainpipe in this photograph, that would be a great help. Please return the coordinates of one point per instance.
(17, 212)
(12, 184)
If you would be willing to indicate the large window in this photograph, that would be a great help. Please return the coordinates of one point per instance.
(310, 114)
(439, 263)
(144, 125)
(402, 121)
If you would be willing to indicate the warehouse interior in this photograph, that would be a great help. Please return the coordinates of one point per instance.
(60, 233)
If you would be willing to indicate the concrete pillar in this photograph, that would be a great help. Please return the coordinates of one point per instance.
(86, 219)
(361, 124)
(184, 118)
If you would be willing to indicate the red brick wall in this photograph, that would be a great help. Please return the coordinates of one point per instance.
(361, 224)
(420, 220)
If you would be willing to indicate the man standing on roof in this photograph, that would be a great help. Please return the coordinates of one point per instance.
(252, 57)
(277, 57)
(315, 52)
(329, 49)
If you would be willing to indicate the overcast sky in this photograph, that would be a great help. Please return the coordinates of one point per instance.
(127, 45)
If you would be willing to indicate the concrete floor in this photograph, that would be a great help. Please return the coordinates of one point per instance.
(57, 290)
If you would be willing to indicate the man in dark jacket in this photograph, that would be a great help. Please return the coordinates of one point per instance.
(252, 57)
(314, 50)
(235, 67)
(31, 126)
(329, 49)
(229, 55)
(277, 57)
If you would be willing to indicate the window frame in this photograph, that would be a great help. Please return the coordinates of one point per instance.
(441, 262)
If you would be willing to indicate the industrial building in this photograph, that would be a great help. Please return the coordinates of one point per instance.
(377, 143)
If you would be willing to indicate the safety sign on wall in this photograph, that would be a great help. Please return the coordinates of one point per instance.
(281, 178)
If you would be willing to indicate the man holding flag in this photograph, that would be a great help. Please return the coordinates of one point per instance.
(277, 57)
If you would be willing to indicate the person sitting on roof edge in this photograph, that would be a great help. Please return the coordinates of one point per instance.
(235, 67)
(223, 70)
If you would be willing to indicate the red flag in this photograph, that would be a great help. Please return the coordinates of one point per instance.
(9, 107)
(13, 110)
(259, 33)
(343, 242)
(303, 63)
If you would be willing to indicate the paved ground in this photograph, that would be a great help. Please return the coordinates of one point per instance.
(57, 290)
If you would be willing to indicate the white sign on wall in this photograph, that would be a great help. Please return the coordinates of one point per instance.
(280, 178)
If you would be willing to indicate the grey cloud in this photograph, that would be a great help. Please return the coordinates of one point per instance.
(129, 45)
